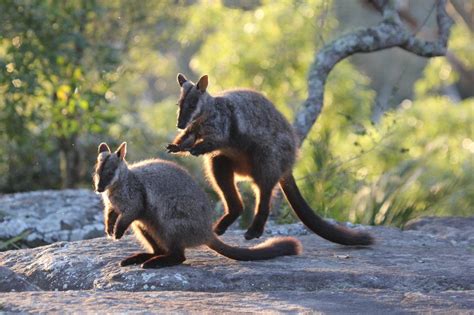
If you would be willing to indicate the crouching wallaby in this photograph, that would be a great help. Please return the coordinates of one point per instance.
(167, 210)
(243, 136)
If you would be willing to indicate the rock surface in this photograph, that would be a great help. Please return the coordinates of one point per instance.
(51, 215)
(429, 269)
(10, 281)
(453, 229)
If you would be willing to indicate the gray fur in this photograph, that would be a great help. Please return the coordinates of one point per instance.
(168, 211)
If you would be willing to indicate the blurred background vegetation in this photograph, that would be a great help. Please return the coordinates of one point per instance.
(394, 141)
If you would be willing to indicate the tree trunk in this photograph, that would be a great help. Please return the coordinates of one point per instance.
(70, 163)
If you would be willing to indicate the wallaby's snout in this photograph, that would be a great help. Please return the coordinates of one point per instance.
(99, 186)
(183, 117)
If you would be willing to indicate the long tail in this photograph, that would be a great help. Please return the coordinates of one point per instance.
(331, 232)
(274, 247)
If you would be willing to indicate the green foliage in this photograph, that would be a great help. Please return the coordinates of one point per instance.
(47, 89)
(433, 173)
(16, 242)
(417, 161)
(252, 49)
(59, 62)
(439, 72)
(76, 73)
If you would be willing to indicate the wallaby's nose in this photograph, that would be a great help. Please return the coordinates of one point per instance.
(99, 189)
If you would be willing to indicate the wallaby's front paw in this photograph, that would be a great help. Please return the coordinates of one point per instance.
(173, 148)
(196, 151)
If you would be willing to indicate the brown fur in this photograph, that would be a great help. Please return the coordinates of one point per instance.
(247, 138)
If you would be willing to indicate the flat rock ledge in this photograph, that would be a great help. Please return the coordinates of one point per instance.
(428, 267)
(49, 216)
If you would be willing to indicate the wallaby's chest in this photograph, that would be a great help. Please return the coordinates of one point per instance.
(121, 201)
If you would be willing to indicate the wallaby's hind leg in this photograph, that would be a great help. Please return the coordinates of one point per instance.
(140, 258)
(263, 198)
(152, 243)
(172, 258)
(222, 174)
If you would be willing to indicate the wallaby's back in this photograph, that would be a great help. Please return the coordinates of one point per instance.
(256, 126)
(256, 117)
(175, 205)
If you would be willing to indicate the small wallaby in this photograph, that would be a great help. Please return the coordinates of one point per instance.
(246, 137)
(167, 210)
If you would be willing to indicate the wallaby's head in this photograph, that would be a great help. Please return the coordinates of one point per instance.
(108, 165)
(189, 100)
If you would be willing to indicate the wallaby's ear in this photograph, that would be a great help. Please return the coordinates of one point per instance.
(122, 150)
(103, 147)
(181, 79)
(202, 83)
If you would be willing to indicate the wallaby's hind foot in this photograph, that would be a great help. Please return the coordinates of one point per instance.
(258, 224)
(162, 261)
(253, 233)
(136, 259)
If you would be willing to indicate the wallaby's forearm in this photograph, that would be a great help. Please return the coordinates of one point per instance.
(199, 131)
(122, 224)
(110, 218)
(207, 145)
(183, 142)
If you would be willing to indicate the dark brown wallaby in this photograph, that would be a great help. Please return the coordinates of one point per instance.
(167, 210)
(243, 136)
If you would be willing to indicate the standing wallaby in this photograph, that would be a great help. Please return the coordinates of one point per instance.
(168, 212)
(246, 137)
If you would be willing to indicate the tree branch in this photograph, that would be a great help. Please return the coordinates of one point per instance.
(387, 34)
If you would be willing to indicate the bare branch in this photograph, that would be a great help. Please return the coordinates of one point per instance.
(387, 34)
